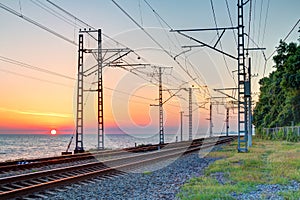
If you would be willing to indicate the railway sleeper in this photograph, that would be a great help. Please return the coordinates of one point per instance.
(107, 175)
(24, 183)
(14, 186)
(34, 181)
(50, 192)
(5, 188)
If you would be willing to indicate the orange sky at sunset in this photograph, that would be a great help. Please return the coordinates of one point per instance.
(38, 70)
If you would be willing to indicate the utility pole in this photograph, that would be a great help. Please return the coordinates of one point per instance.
(80, 90)
(227, 121)
(244, 93)
(181, 126)
(160, 105)
(210, 120)
(79, 111)
(161, 111)
(250, 107)
(100, 129)
(99, 53)
(217, 103)
(249, 97)
(190, 115)
(243, 84)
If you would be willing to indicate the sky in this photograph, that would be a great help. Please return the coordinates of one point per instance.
(41, 93)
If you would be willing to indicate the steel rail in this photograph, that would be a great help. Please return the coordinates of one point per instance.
(40, 162)
(89, 171)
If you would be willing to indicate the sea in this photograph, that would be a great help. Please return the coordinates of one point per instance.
(16, 146)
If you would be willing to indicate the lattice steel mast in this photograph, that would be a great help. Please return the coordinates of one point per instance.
(181, 126)
(227, 121)
(161, 102)
(190, 115)
(161, 111)
(244, 90)
(80, 90)
(100, 93)
(210, 120)
(79, 112)
(243, 84)
(101, 55)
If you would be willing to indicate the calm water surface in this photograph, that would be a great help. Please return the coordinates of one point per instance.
(16, 146)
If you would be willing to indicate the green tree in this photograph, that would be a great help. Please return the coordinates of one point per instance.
(279, 100)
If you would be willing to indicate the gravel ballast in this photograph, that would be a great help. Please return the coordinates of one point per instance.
(147, 183)
(162, 181)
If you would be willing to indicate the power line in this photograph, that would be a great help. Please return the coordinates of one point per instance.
(34, 78)
(158, 16)
(140, 10)
(12, 11)
(286, 37)
(8, 60)
(259, 25)
(70, 14)
(22, 64)
(231, 22)
(87, 25)
(221, 46)
(90, 26)
(156, 13)
(52, 12)
(265, 23)
(69, 86)
(249, 24)
(263, 34)
(254, 27)
(48, 30)
(263, 31)
(151, 37)
(142, 28)
(253, 17)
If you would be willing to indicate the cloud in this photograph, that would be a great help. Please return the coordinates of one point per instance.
(48, 114)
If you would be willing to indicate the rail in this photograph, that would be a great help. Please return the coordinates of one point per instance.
(20, 185)
(40, 162)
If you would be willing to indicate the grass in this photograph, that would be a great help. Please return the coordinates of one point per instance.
(291, 195)
(268, 162)
(147, 172)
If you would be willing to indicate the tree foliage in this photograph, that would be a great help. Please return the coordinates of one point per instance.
(279, 100)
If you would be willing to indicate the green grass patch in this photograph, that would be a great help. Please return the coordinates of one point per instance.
(268, 162)
(290, 195)
(210, 189)
(147, 172)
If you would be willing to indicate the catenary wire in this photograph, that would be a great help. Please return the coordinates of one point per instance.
(88, 25)
(216, 24)
(285, 38)
(150, 36)
(14, 12)
(231, 22)
(22, 64)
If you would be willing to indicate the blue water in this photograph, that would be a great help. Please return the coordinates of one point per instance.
(24, 146)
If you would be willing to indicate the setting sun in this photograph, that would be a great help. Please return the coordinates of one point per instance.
(53, 132)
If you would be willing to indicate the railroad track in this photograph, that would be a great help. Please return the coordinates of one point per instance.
(22, 185)
(40, 162)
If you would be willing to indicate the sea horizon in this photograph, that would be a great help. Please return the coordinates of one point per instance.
(15, 146)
